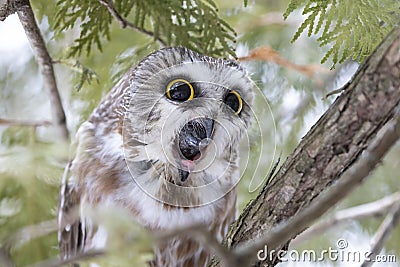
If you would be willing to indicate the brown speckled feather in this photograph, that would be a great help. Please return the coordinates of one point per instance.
(71, 235)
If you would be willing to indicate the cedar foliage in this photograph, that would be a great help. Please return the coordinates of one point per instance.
(194, 24)
(351, 28)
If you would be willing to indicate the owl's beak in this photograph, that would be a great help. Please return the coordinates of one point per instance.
(193, 138)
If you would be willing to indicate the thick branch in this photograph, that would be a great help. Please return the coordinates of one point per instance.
(348, 182)
(44, 60)
(330, 148)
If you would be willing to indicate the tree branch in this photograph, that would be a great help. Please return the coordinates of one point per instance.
(27, 18)
(376, 208)
(387, 226)
(56, 262)
(9, 7)
(328, 150)
(267, 53)
(23, 236)
(30, 232)
(282, 233)
(5, 258)
(24, 123)
(124, 23)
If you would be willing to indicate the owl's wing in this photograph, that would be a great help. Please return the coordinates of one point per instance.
(71, 231)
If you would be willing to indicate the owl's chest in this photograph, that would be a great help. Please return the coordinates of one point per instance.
(157, 216)
(151, 212)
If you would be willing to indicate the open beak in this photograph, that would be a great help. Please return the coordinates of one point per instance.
(192, 139)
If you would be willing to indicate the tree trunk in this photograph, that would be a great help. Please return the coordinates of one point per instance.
(332, 145)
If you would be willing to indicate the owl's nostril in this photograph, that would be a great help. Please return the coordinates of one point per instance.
(193, 136)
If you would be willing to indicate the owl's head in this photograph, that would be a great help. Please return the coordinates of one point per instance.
(184, 120)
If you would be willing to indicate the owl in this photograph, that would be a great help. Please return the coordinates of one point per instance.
(162, 145)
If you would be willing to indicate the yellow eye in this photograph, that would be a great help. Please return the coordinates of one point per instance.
(234, 101)
(180, 90)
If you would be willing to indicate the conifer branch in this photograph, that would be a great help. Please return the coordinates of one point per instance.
(169, 23)
(342, 25)
(124, 23)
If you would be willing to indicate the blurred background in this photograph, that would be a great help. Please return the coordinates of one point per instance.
(32, 156)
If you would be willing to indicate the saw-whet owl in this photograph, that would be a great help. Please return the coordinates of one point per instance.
(162, 145)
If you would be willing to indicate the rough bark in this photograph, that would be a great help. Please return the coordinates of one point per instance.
(10, 7)
(332, 145)
(280, 235)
